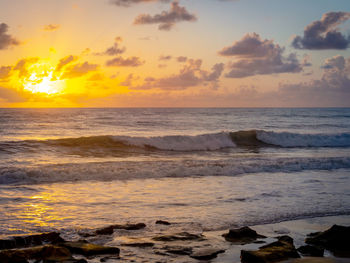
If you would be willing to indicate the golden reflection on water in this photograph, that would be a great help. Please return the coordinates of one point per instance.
(41, 211)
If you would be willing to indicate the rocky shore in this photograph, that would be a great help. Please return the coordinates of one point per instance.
(136, 244)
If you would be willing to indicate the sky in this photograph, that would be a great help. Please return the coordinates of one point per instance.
(174, 53)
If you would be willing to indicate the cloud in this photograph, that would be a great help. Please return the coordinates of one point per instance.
(5, 72)
(336, 62)
(324, 34)
(125, 62)
(258, 57)
(129, 79)
(333, 89)
(181, 59)
(10, 95)
(166, 19)
(6, 40)
(51, 27)
(163, 57)
(114, 50)
(127, 3)
(65, 61)
(78, 70)
(23, 64)
(190, 75)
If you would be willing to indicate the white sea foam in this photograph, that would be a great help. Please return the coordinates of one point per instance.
(202, 142)
(287, 139)
(125, 170)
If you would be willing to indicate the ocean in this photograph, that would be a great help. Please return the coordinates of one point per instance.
(206, 169)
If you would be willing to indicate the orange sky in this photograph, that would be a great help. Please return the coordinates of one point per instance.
(210, 53)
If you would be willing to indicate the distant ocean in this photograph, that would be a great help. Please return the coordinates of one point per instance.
(70, 169)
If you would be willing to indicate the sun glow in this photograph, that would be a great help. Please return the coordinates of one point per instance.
(42, 79)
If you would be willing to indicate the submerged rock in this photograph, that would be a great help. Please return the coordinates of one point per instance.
(277, 251)
(139, 244)
(183, 236)
(311, 251)
(161, 222)
(242, 235)
(46, 253)
(32, 240)
(335, 239)
(89, 249)
(110, 229)
(206, 254)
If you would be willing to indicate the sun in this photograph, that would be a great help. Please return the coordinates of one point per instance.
(42, 78)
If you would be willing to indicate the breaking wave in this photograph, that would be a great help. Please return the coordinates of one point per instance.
(183, 143)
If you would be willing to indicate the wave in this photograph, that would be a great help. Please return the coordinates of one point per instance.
(182, 143)
(126, 170)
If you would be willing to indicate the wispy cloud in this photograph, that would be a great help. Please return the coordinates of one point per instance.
(51, 27)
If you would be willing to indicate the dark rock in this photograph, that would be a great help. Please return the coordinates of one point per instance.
(161, 222)
(206, 254)
(89, 249)
(273, 252)
(105, 231)
(336, 239)
(259, 242)
(242, 235)
(32, 240)
(109, 229)
(178, 250)
(311, 251)
(46, 253)
(286, 238)
(139, 244)
(183, 236)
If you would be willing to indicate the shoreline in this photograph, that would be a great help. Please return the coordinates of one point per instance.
(138, 244)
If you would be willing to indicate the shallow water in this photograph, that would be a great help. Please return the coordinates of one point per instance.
(212, 203)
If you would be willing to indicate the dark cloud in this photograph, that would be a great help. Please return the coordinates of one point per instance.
(127, 3)
(324, 34)
(6, 40)
(258, 57)
(78, 70)
(190, 75)
(166, 19)
(125, 62)
(51, 27)
(5, 72)
(114, 50)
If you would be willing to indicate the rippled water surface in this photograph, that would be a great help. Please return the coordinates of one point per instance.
(67, 169)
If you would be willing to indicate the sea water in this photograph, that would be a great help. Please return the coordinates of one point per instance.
(206, 169)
